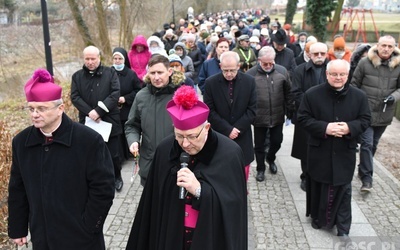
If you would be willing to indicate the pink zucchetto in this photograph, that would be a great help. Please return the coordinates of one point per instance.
(186, 110)
(41, 87)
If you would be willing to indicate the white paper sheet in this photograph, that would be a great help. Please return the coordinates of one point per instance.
(102, 127)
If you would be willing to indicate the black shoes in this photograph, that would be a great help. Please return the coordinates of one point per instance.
(314, 224)
(118, 183)
(366, 187)
(272, 167)
(303, 184)
(260, 176)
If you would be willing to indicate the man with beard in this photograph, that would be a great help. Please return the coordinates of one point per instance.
(305, 76)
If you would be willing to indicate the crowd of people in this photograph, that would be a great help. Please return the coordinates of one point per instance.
(254, 74)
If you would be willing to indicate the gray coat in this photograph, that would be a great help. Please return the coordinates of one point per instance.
(379, 80)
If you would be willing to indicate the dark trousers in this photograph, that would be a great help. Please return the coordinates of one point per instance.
(276, 138)
(329, 205)
(113, 146)
(369, 143)
(303, 164)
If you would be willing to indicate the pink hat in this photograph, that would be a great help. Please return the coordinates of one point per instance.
(186, 110)
(41, 87)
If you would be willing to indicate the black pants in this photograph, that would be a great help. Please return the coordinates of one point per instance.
(329, 205)
(276, 138)
(113, 146)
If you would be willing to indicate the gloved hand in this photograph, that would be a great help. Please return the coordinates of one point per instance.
(389, 100)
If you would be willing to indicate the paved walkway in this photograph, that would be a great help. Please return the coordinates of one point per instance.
(276, 209)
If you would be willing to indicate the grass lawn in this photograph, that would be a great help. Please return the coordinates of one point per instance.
(388, 22)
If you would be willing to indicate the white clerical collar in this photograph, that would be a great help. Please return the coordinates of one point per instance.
(51, 133)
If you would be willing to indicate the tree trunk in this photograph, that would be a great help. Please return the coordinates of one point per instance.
(80, 23)
(291, 8)
(105, 46)
(335, 25)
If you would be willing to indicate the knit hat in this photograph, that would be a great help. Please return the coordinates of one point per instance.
(203, 27)
(41, 87)
(214, 39)
(308, 45)
(256, 32)
(274, 24)
(218, 29)
(169, 32)
(264, 32)
(174, 58)
(303, 34)
(254, 39)
(339, 43)
(311, 38)
(287, 26)
(234, 27)
(228, 36)
(186, 110)
(204, 35)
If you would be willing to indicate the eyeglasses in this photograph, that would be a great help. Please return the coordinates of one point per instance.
(226, 71)
(338, 74)
(190, 138)
(268, 64)
(41, 110)
(319, 53)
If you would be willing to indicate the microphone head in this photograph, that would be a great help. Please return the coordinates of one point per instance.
(184, 158)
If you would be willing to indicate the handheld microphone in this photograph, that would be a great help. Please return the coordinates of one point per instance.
(184, 159)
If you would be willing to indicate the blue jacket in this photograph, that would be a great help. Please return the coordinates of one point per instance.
(209, 68)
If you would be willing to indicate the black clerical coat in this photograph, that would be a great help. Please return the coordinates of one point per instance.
(222, 220)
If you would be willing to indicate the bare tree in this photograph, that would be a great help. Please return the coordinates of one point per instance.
(336, 16)
(80, 23)
(102, 27)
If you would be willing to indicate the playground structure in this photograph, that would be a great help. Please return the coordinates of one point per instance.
(355, 15)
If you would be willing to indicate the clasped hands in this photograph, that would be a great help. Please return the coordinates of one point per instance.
(337, 129)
